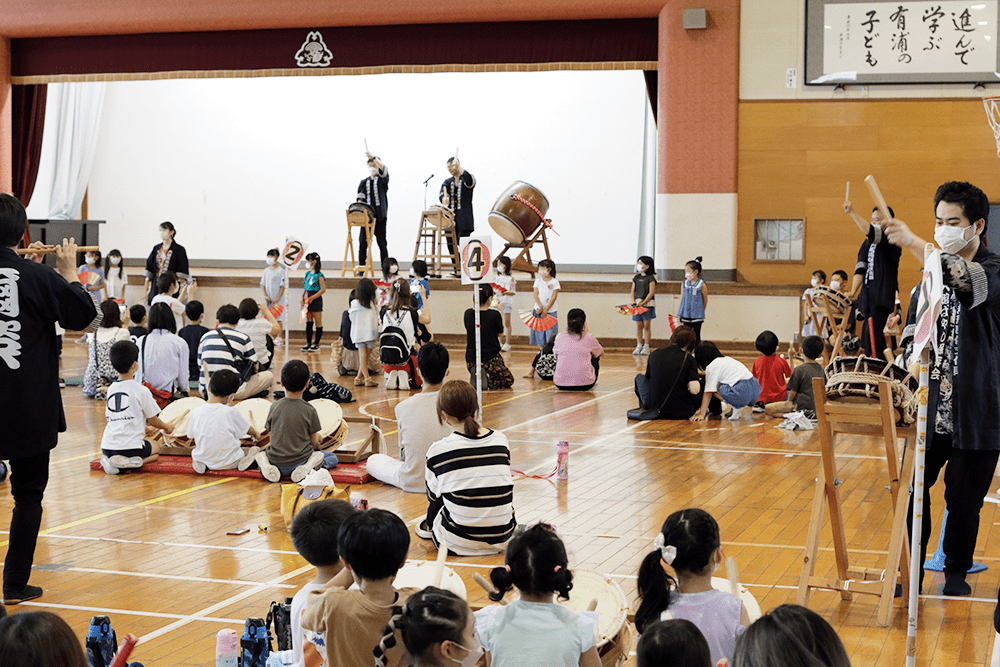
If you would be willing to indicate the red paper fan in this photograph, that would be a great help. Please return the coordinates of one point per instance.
(88, 277)
(673, 321)
(628, 309)
(276, 310)
(536, 323)
(499, 289)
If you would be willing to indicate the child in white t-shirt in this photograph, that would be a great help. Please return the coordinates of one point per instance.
(167, 285)
(217, 428)
(260, 329)
(727, 377)
(130, 406)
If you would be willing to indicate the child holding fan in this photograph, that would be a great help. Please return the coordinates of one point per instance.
(505, 280)
(694, 297)
(534, 630)
(314, 285)
(643, 294)
(546, 290)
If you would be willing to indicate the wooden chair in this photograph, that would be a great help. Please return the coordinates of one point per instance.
(437, 227)
(358, 218)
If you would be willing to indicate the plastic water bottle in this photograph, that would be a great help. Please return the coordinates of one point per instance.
(562, 460)
(358, 500)
(226, 648)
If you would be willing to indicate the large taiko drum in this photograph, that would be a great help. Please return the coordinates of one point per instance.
(518, 212)
(360, 213)
(333, 427)
(421, 575)
(178, 414)
(255, 411)
(840, 303)
(858, 378)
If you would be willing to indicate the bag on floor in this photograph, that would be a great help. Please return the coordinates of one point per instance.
(255, 645)
(320, 388)
(294, 497)
(279, 617)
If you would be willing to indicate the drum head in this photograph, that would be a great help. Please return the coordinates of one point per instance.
(180, 411)
(330, 415)
(421, 575)
(255, 411)
(506, 228)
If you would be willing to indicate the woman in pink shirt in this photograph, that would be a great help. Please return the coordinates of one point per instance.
(578, 355)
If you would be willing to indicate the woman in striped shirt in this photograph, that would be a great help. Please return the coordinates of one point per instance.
(469, 486)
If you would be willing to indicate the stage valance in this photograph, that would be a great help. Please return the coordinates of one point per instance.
(511, 46)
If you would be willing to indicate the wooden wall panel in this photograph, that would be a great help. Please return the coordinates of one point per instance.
(795, 158)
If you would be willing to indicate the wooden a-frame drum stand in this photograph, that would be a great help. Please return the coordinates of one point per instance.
(357, 217)
(437, 226)
(523, 260)
(864, 419)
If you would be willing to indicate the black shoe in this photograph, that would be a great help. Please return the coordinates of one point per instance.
(279, 394)
(23, 595)
(955, 584)
(262, 394)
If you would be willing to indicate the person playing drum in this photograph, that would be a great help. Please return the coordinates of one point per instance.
(876, 278)
(374, 191)
(456, 194)
(963, 402)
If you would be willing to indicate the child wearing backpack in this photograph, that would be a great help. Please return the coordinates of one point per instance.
(399, 333)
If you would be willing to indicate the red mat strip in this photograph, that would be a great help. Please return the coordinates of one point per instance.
(344, 473)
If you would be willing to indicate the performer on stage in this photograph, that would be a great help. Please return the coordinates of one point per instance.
(374, 191)
(963, 403)
(875, 279)
(456, 194)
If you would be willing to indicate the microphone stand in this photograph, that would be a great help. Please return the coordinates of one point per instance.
(425, 190)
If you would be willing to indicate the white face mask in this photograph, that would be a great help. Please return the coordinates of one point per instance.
(165, 234)
(271, 261)
(310, 265)
(413, 274)
(639, 268)
(393, 269)
(544, 273)
(834, 284)
(115, 261)
(473, 654)
(953, 239)
(814, 282)
(689, 276)
(373, 171)
(91, 260)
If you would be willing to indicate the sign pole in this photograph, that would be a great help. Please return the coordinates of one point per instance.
(479, 356)
(285, 312)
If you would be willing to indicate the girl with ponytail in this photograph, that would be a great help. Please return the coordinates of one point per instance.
(437, 629)
(469, 488)
(689, 543)
(534, 630)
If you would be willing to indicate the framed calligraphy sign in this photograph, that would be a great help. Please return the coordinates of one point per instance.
(943, 41)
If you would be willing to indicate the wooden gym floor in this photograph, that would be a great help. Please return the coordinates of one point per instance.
(151, 550)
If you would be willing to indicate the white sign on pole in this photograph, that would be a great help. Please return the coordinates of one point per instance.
(928, 303)
(477, 267)
(293, 253)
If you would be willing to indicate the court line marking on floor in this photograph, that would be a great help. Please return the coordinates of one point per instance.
(364, 408)
(600, 440)
(154, 575)
(129, 612)
(721, 450)
(91, 455)
(181, 545)
(563, 411)
(233, 599)
(103, 515)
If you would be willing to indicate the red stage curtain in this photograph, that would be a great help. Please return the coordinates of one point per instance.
(28, 121)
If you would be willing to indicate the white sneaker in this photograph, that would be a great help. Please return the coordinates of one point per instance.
(247, 460)
(637, 350)
(199, 467)
(126, 462)
(108, 468)
(645, 350)
(505, 347)
(270, 472)
(278, 342)
(301, 472)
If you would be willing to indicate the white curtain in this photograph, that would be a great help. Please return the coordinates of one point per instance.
(72, 123)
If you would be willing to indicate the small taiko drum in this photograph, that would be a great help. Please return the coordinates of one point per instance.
(859, 377)
(333, 428)
(360, 213)
(421, 575)
(255, 411)
(446, 219)
(178, 414)
(518, 212)
(840, 303)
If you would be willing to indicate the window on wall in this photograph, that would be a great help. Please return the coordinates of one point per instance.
(779, 241)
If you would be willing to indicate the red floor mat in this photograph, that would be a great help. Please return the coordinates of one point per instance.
(344, 473)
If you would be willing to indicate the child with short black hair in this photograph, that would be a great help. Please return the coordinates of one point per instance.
(674, 643)
(534, 630)
(800, 388)
(294, 448)
(643, 294)
(727, 378)
(420, 287)
(262, 330)
(771, 370)
(373, 545)
(137, 317)
(217, 428)
(546, 288)
(129, 407)
(314, 535)
(689, 542)
(808, 325)
(192, 333)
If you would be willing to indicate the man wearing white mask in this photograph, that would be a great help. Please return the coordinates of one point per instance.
(876, 279)
(963, 402)
(374, 191)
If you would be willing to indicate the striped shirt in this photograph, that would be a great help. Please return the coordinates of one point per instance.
(471, 493)
(213, 353)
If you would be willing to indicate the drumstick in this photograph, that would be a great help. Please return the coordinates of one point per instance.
(734, 575)
(51, 249)
(178, 418)
(847, 195)
(593, 605)
(485, 585)
(124, 651)
(439, 564)
(456, 153)
(366, 146)
(883, 208)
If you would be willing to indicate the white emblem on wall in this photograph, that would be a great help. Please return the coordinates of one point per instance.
(313, 52)
(10, 338)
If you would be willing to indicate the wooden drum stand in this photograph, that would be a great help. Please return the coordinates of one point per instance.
(363, 219)
(523, 260)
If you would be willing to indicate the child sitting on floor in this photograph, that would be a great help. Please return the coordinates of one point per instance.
(770, 370)
(217, 428)
(130, 406)
(800, 388)
(438, 629)
(373, 546)
(294, 449)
